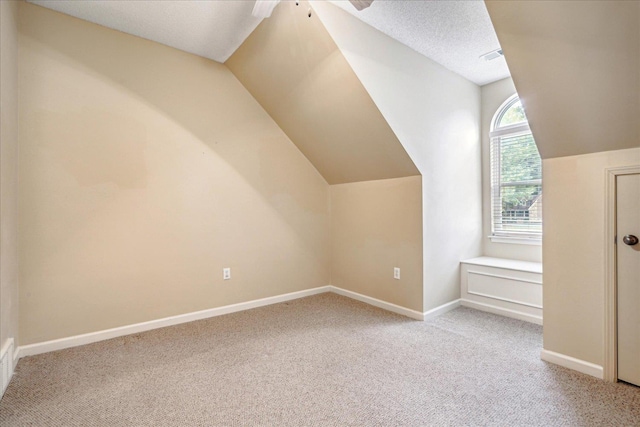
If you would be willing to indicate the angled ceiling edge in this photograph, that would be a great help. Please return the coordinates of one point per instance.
(294, 69)
(576, 67)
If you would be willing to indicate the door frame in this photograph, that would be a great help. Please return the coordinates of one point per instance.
(610, 368)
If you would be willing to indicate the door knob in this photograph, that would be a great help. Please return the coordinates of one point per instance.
(630, 240)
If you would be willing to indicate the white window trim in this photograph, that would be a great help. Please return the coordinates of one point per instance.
(532, 240)
(511, 130)
(503, 107)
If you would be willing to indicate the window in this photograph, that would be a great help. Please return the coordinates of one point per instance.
(516, 176)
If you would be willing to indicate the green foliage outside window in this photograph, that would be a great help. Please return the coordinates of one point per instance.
(516, 170)
(514, 115)
(520, 164)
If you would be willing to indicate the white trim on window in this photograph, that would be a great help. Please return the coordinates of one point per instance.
(511, 130)
(502, 110)
(532, 240)
(518, 221)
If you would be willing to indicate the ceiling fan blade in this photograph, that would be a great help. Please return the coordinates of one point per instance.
(263, 8)
(361, 4)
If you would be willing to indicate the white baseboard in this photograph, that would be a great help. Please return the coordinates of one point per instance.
(379, 303)
(77, 340)
(572, 363)
(434, 312)
(6, 365)
(397, 308)
(502, 311)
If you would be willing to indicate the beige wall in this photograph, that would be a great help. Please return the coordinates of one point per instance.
(493, 95)
(376, 226)
(576, 65)
(574, 251)
(436, 115)
(8, 171)
(143, 172)
(294, 69)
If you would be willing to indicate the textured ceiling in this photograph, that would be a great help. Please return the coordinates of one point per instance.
(212, 29)
(452, 33)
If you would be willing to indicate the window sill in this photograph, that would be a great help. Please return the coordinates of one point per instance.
(516, 240)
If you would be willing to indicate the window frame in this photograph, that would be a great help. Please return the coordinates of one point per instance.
(512, 130)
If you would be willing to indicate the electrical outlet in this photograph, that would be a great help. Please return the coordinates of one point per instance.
(226, 274)
(396, 273)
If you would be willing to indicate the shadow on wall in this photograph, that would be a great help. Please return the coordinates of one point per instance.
(295, 70)
(144, 171)
(221, 114)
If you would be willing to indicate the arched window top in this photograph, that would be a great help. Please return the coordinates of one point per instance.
(510, 114)
(516, 177)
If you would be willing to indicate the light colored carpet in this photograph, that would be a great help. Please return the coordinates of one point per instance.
(322, 360)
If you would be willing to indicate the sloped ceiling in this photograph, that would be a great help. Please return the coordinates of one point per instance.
(453, 33)
(212, 29)
(292, 66)
(576, 65)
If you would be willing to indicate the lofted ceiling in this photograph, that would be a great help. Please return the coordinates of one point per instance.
(294, 69)
(452, 33)
(212, 29)
(576, 65)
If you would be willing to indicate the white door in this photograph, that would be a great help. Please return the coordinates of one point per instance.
(628, 269)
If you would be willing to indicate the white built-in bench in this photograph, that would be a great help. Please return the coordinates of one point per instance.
(503, 286)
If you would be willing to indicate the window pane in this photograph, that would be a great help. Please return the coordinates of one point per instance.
(516, 186)
(521, 207)
(513, 115)
(519, 159)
